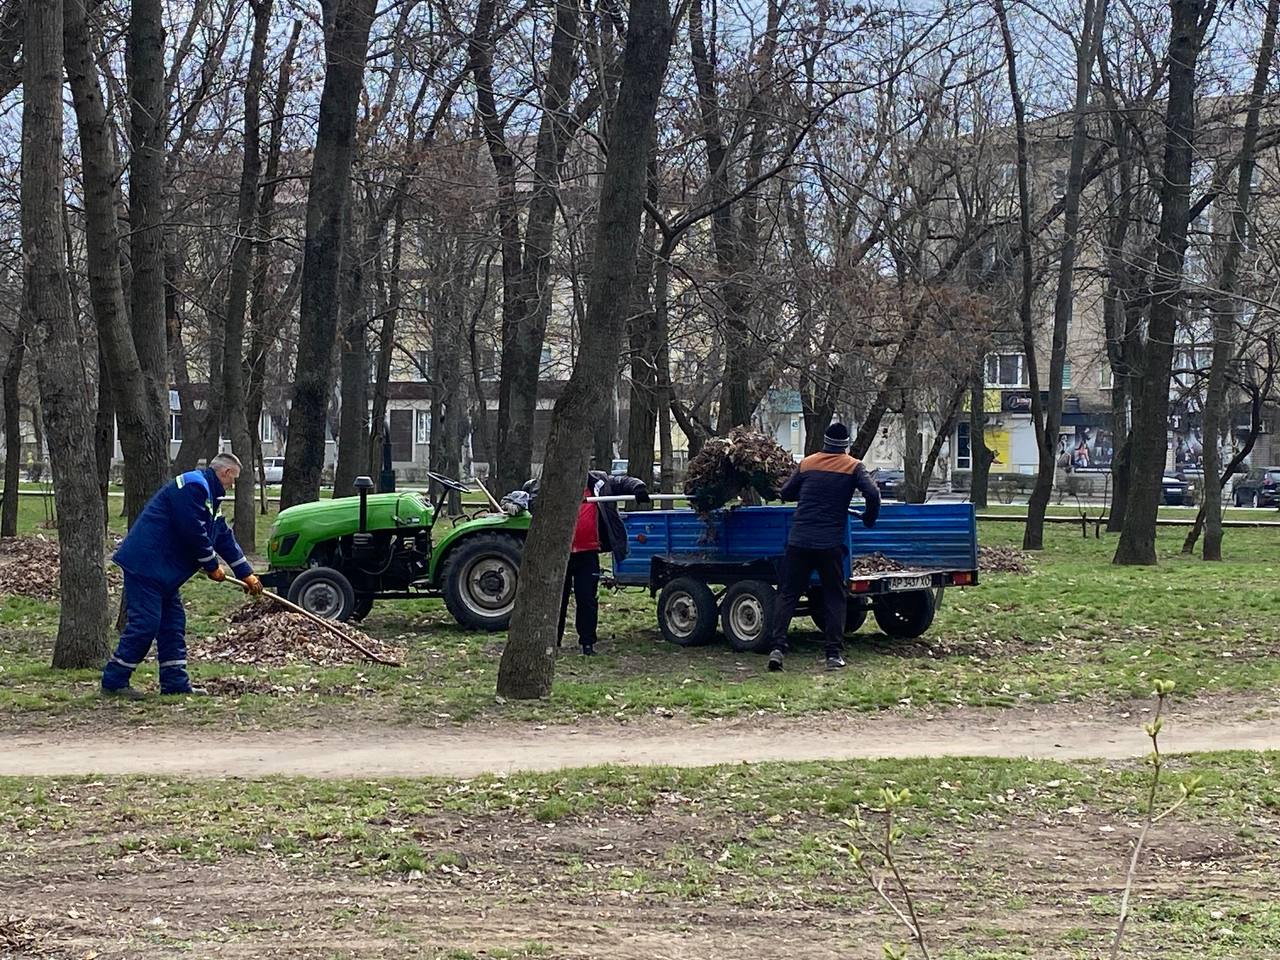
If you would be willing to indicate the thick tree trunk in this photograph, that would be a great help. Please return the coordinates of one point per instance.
(327, 200)
(60, 362)
(13, 429)
(528, 660)
(148, 126)
(913, 480)
(353, 418)
(1150, 443)
(243, 435)
(144, 425)
(980, 457)
(386, 344)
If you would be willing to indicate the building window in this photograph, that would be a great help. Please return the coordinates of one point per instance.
(1060, 183)
(421, 365)
(265, 428)
(489, 368)
(1106, 376)
(175, 427)
(964, 455)
(545, 359)
(1006, 370)
(423, 430)
(1066, 375)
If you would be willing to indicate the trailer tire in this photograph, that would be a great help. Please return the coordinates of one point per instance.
(687, 613)
(746, 615)
(855, 615)
(479, 580)
(905, 615)
(325, 592)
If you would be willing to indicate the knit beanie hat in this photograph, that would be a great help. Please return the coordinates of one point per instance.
(837, 435)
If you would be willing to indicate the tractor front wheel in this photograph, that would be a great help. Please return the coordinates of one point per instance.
(479, 580)
(324, 592)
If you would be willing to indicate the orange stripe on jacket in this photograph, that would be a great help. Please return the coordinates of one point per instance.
(830, 463)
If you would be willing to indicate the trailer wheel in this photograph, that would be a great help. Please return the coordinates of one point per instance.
(479, 579)
(324, 592)
(855, 615)
(687, 612)
(746, 614)
(905, 615)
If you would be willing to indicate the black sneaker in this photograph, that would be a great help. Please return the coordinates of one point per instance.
(124, 693)
(835, 662)
(775, 661)
(588, 649)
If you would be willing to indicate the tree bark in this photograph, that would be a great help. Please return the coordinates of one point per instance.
(527, 668)
(346, 48)
(980, 457)
(386, 344)
(143, 425)
(148, 126)
(1150, 442)
(1226, 308)
(13, 428)
(1049, 421)
(60, 361)
(104, 433)
(353, 312)
(236, 400)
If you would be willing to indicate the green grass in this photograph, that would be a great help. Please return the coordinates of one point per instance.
(1076, 628)
(986, 843)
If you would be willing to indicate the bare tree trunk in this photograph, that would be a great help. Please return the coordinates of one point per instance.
(528, 660)
(144, 427)
(13, 428)
(104, 433)
(327, 201)
(980, 457)
(60, 360)
(353, 312)
(1225, 309)
(1241, 455)
(913, 481)
(1150, 443)
(386, 343)
(1049, 421)
(148, 125)
(243, 436)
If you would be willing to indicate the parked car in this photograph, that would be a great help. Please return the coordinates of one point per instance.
(1259, 487)
(619, 469)
(1174, 489)
(273, 469)
(890, 482)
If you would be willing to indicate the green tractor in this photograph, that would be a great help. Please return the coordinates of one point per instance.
(335, 557)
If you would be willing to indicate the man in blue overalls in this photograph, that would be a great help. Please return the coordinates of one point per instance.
(179, 532)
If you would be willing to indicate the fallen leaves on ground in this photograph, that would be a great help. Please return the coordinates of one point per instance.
(271, 637)
(1003, 560)
(29, 567)
(21, 937)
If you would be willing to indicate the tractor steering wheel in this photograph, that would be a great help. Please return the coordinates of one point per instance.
(448, 483)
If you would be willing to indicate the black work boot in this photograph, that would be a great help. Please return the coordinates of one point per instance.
(775, 661)
(124, 693)
(588, 649)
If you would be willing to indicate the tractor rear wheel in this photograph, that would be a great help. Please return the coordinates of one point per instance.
(479, 580)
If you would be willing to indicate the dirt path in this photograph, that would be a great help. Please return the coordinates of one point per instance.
(1060, 732)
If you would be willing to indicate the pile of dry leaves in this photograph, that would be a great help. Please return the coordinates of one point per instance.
(29, 567)
(267, 635)
(874, 563)
(727, 466)
(1003, 560)
(21, 937)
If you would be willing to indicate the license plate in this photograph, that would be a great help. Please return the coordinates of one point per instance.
(911, 583)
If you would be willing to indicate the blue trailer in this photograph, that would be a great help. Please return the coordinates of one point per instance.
(681, 557)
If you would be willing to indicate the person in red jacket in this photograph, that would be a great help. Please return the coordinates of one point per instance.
(599, 529)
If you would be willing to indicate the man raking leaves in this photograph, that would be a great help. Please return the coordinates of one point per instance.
(179, 532)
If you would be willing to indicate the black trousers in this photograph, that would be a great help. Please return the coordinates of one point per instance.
(798, 566)
(583, 580)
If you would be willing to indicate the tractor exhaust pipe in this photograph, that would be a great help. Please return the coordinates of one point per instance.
(363, 486)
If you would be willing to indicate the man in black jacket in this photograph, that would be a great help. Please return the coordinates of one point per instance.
(822, 487)
(599, 529)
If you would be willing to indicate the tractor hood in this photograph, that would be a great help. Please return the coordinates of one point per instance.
(297, 529)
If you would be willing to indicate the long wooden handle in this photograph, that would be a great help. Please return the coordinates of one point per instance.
(320, 621)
